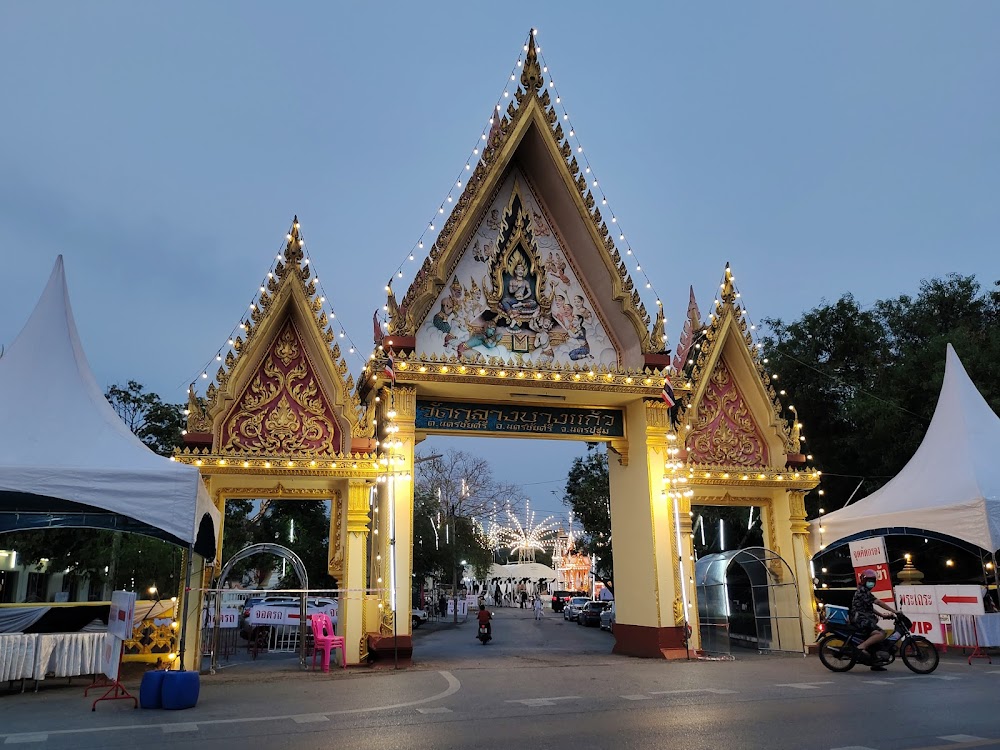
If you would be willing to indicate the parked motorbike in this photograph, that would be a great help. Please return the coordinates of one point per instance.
(484, 634)
(838, 648)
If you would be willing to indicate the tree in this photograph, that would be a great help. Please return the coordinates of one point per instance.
(865, 381)
(588, 495)
(115, 559)
(458, 488)
(301, 525)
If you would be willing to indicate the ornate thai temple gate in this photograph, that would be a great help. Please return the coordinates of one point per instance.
(282, 421)
(523, 321)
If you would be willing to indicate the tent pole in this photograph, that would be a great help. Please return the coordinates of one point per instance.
(187, 597)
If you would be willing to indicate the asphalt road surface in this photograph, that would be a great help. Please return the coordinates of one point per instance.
(549, 684)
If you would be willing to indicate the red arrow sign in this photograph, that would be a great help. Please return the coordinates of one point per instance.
(959, 599)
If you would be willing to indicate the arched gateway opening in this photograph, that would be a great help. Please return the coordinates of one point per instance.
(522, 321)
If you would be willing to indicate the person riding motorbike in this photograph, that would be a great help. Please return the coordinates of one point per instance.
(863, 616)
(484, 616)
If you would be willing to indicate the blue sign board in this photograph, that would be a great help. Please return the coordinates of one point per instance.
(520, 420)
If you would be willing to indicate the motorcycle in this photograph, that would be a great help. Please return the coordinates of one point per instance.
(484, 634)
(838, 648)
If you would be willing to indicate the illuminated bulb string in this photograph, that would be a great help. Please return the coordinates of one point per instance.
(437, 219)
(230, 340)
(594, 184)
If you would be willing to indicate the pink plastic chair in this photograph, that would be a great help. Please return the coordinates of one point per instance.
(324, 641)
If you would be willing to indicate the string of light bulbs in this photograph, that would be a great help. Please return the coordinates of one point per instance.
(255, 301)
(620, 239)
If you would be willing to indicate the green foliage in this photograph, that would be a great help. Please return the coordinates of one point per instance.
(301, 525)
(160, 426)
(436, 549)
(865, 381)
(588, 495)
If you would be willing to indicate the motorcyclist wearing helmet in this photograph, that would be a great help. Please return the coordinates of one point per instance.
(863, 615)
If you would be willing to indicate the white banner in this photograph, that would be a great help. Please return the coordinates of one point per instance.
(122, 614)
(870, 553)
(463, 608)
(111, 655)
(228, 617)
(929, 626)
(952, 600)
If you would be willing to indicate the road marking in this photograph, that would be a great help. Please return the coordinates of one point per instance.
(453, 687)
(804, 685)
(854, 747)
(536, 702)
(310, 718)
(183, 727)
(716, 691)
(961, 738)
(875, 682)
(437, 710)
(637, 697)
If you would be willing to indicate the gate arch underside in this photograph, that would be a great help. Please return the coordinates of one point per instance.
(748, 597)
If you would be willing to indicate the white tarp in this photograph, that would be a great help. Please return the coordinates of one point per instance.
(61, 440)
(952, 483)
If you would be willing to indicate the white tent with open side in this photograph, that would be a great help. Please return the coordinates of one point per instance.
(951, 485)
(67, 460)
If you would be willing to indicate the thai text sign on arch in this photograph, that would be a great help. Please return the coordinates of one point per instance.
(507, 419)
(870, 553)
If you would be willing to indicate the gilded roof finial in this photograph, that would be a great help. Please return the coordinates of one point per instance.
(394, 316)
(531, 74)
(795, 434)
(658, 338)
(197, 421)
(293, 248)
(728, 295)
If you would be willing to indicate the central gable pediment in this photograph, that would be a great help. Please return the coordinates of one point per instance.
(527, 158)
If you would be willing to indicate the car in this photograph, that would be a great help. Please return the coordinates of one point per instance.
(590, 614)
(419, 616)
(560, 598)
(573, 607)
(608, 618)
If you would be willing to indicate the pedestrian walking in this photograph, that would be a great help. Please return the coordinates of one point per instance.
(537, 606)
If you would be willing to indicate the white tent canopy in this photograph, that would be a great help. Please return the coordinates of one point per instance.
(951, 485)
(68, 460)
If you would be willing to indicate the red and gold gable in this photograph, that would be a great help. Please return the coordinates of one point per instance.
(726, 432)
(282, 410)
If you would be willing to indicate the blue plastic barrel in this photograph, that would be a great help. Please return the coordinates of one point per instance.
(180, 690)
(149, 690)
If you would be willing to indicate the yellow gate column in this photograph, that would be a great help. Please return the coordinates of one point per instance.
(642, 530)
(352, 602)
(792, 541)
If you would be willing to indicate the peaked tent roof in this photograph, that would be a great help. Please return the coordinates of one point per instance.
(67, 459)
(952, 483)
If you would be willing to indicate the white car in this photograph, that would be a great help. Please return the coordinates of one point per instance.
(419, 616)
(608, 618)
(572, 609)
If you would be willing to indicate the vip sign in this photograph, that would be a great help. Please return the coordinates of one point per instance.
(870, 553)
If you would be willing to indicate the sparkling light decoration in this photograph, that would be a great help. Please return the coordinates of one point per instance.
(530, 537)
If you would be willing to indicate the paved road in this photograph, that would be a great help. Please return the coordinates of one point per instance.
(540, 685)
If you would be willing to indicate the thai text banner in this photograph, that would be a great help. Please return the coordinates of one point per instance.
(556, 421)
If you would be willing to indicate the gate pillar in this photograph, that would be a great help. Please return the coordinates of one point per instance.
(351, 616)
(790, 533)
(647, 581)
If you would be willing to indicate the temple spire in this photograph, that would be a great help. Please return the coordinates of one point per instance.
(531, 75)
(293, 248)
(728, 295)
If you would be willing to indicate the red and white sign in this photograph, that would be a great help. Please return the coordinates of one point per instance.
(275, 614)
(927, 625)
(870, 553)
(950, 600)
(228, 617)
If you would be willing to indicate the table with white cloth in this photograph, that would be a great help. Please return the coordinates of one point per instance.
(972, 630)
(68, 654)
(17, 656)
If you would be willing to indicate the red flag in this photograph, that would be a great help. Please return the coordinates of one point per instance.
(668, 393)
